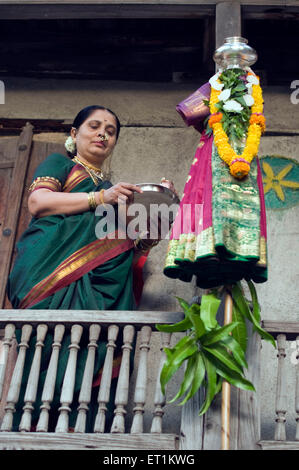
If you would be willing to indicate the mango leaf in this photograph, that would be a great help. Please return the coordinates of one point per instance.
(181, 326)
(256, 307)
(217, 335)
(188, 378)
(175, 361)
(241, 100)
(199, 374)
(211, 385)
(236, 350)
(223, 356)
(240, 87)
(240, 332)
(208, 310)
(179, 344)
(240, 300)
(219, 384)
(243, 306)
(197, 322)
(183, 303)
(231, 376)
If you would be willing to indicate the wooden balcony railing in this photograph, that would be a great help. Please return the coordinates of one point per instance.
(127, 429)
(284, 332)
(122, 435)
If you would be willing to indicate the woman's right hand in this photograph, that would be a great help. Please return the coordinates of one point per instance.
(120, 193)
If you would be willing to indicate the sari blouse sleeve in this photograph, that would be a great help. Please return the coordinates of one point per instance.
(51, 173)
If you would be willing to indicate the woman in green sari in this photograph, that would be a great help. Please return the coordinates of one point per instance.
(60, 263)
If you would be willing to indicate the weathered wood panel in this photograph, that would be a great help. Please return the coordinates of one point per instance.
(87, 317)
(73, 441)
(104, 10)
(38, 152)
(290, 329)
(191, 435)
(10, 223)
(140, 3)
(276, 445)
(249, 409)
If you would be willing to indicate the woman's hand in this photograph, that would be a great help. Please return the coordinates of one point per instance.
(168, 184)
(122, 193)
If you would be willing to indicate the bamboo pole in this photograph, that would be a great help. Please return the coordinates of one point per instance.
(225, 405)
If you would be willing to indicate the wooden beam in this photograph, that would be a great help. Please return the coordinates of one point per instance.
(119, 10)
(290, 329)
(279, 445)
(80, 441)
(146, 2)
(4, 165)
(87, 317)
(73, 9)
(12, 126)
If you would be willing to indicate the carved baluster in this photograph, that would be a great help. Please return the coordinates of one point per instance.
(49, 386)
(32, 383)
(297, 390)
(159, 396)
(16, 380)
(141, 381)
(7, 342)
(104, 391)
(122, 390)
(280, 405)
(85, 392)
(68, 386)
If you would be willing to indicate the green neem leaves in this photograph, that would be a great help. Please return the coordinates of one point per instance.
(210, 352)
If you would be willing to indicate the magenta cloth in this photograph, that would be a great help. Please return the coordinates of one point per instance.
(193, 110)
(195, 211)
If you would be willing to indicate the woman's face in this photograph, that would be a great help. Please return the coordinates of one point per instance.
(90, 146)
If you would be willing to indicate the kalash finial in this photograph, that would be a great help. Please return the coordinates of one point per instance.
(235, 52)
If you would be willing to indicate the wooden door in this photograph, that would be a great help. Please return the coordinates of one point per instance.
(19, 157)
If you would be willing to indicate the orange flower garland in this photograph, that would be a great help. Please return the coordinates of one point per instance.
(239, 165)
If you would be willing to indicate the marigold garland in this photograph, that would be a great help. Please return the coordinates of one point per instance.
(239, 164)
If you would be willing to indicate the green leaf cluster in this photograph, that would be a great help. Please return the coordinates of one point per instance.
(211, 352)
(234, 124)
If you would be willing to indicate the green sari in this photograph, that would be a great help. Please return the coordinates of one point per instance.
(61, 264)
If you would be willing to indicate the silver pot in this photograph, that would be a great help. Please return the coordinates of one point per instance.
(235, 52)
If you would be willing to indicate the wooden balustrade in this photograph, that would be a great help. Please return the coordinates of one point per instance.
(128, 330)
(34, 433)
(284, 332)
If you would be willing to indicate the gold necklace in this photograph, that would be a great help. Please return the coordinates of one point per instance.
(94, 172)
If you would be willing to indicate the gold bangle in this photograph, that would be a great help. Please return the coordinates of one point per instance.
(101, 195)
(92, 201)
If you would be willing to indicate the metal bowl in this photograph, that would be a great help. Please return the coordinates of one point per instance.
(155, 194)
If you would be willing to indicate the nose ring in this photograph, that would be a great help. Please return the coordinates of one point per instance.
(104, 137)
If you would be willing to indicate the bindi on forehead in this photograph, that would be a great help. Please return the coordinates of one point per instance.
(97, 121)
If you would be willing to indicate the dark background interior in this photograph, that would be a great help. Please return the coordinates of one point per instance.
(148, 50)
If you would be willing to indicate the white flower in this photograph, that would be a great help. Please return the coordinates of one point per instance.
(70, 145)
(214, 84)
(253, 79)
(248, 100)
(232, 105)
(249, 88)
(224, 95)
